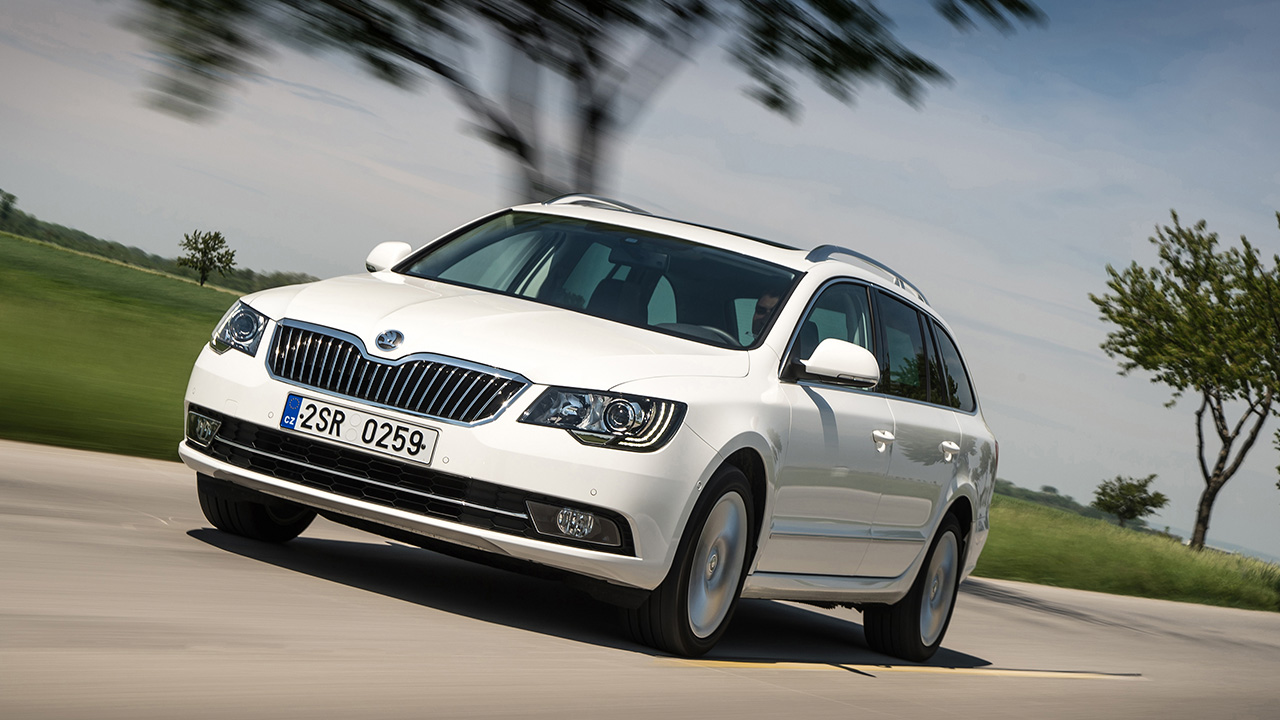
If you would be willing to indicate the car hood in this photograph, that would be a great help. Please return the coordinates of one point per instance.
(545, 344)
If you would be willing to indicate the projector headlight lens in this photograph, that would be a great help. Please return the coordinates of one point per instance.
(241, 328)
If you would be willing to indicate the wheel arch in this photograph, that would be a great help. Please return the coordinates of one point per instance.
(962, 508)
(749, 461)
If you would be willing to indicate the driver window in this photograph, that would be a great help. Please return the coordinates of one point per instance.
(842, 312)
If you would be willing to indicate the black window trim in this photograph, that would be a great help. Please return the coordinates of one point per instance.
(939, 330)
(929, 321)
(787, 368)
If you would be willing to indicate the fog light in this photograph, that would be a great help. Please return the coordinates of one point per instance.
(575, 523)
(202, 429)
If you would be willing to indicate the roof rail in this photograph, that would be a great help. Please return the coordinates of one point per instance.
(594, 201)
(824, 252)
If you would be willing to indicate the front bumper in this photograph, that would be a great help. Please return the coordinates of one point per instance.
(473, 495)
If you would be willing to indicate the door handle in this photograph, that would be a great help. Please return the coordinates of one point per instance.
(881, 438)
(949, 450)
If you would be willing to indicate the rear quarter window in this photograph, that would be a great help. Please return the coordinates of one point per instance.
(959, 391)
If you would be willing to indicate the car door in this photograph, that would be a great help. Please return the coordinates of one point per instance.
(828, 484)
(927, 440)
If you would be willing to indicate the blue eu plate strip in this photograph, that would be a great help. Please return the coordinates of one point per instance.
(291, 407)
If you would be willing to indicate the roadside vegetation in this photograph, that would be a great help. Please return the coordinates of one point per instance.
(1049, 546)
(97, 356)
(239, 280)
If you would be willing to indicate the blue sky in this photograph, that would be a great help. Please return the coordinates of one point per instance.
(1054, 152)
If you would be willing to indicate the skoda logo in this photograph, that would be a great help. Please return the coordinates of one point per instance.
(390, 340)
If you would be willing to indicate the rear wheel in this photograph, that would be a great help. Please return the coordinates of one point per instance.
(244, 512)
(689, 612)
(913, 627)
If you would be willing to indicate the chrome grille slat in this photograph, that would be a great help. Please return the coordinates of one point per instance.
(488, 384)
(426, 385)
(328, 348)
(387, 386)
(453, 390)
(448, 379)
(463, 396)
(413, 367)
(436, 373)
(294, 340)
(313, 349)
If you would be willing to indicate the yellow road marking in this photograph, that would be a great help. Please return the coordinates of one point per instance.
(921, 669)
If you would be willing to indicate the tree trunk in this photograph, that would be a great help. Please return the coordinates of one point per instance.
(592, 125)
(1202, 512)
(1225, 466)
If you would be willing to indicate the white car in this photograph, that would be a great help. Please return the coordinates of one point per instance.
(666, 415)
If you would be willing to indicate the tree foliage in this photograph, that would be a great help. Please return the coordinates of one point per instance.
(206, 252)
(1204, 320)
(1128, 498)
(7, 201)
(612, 56)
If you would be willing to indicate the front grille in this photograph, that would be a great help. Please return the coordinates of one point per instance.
(387, 481)
(426, 385)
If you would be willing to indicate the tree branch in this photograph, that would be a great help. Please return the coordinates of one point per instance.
(631, 90)
(1264, 410)
(1204, 467)
(379, 34)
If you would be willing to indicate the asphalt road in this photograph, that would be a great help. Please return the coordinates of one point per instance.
(117, 600)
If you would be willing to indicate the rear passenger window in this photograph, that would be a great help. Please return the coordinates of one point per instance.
(904, 343)
(959, 393)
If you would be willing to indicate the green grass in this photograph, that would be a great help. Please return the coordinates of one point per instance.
(1048, 546)
(93, 354)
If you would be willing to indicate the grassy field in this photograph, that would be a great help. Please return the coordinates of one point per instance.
(1049, 546)
(96, 354)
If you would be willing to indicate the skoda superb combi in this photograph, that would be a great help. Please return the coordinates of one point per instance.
(669, 416)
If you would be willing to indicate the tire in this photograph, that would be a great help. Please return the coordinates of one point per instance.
(688, 613)
(913, 628)
(233, 509)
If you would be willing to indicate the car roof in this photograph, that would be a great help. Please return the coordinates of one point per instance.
(827, 259)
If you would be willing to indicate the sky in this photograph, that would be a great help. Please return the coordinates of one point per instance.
(1053, 152)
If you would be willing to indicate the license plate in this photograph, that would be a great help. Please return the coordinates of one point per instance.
(364, 430)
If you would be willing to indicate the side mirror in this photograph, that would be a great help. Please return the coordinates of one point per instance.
(386, 255)
(844, 363)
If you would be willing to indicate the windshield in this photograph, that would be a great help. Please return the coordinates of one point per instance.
(651, 281)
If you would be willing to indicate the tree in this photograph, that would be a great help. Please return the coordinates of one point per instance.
(1207, 321)
(205, 253)
(7, 201)
(613, 57)
(1127, 498)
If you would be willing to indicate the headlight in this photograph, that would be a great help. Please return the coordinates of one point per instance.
(241, 328)
(626, 422)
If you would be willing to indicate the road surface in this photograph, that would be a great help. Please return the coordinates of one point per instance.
(117, 600)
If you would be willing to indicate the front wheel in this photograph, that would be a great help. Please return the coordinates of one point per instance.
(689, 612)
(913, 627)
(247, 513)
